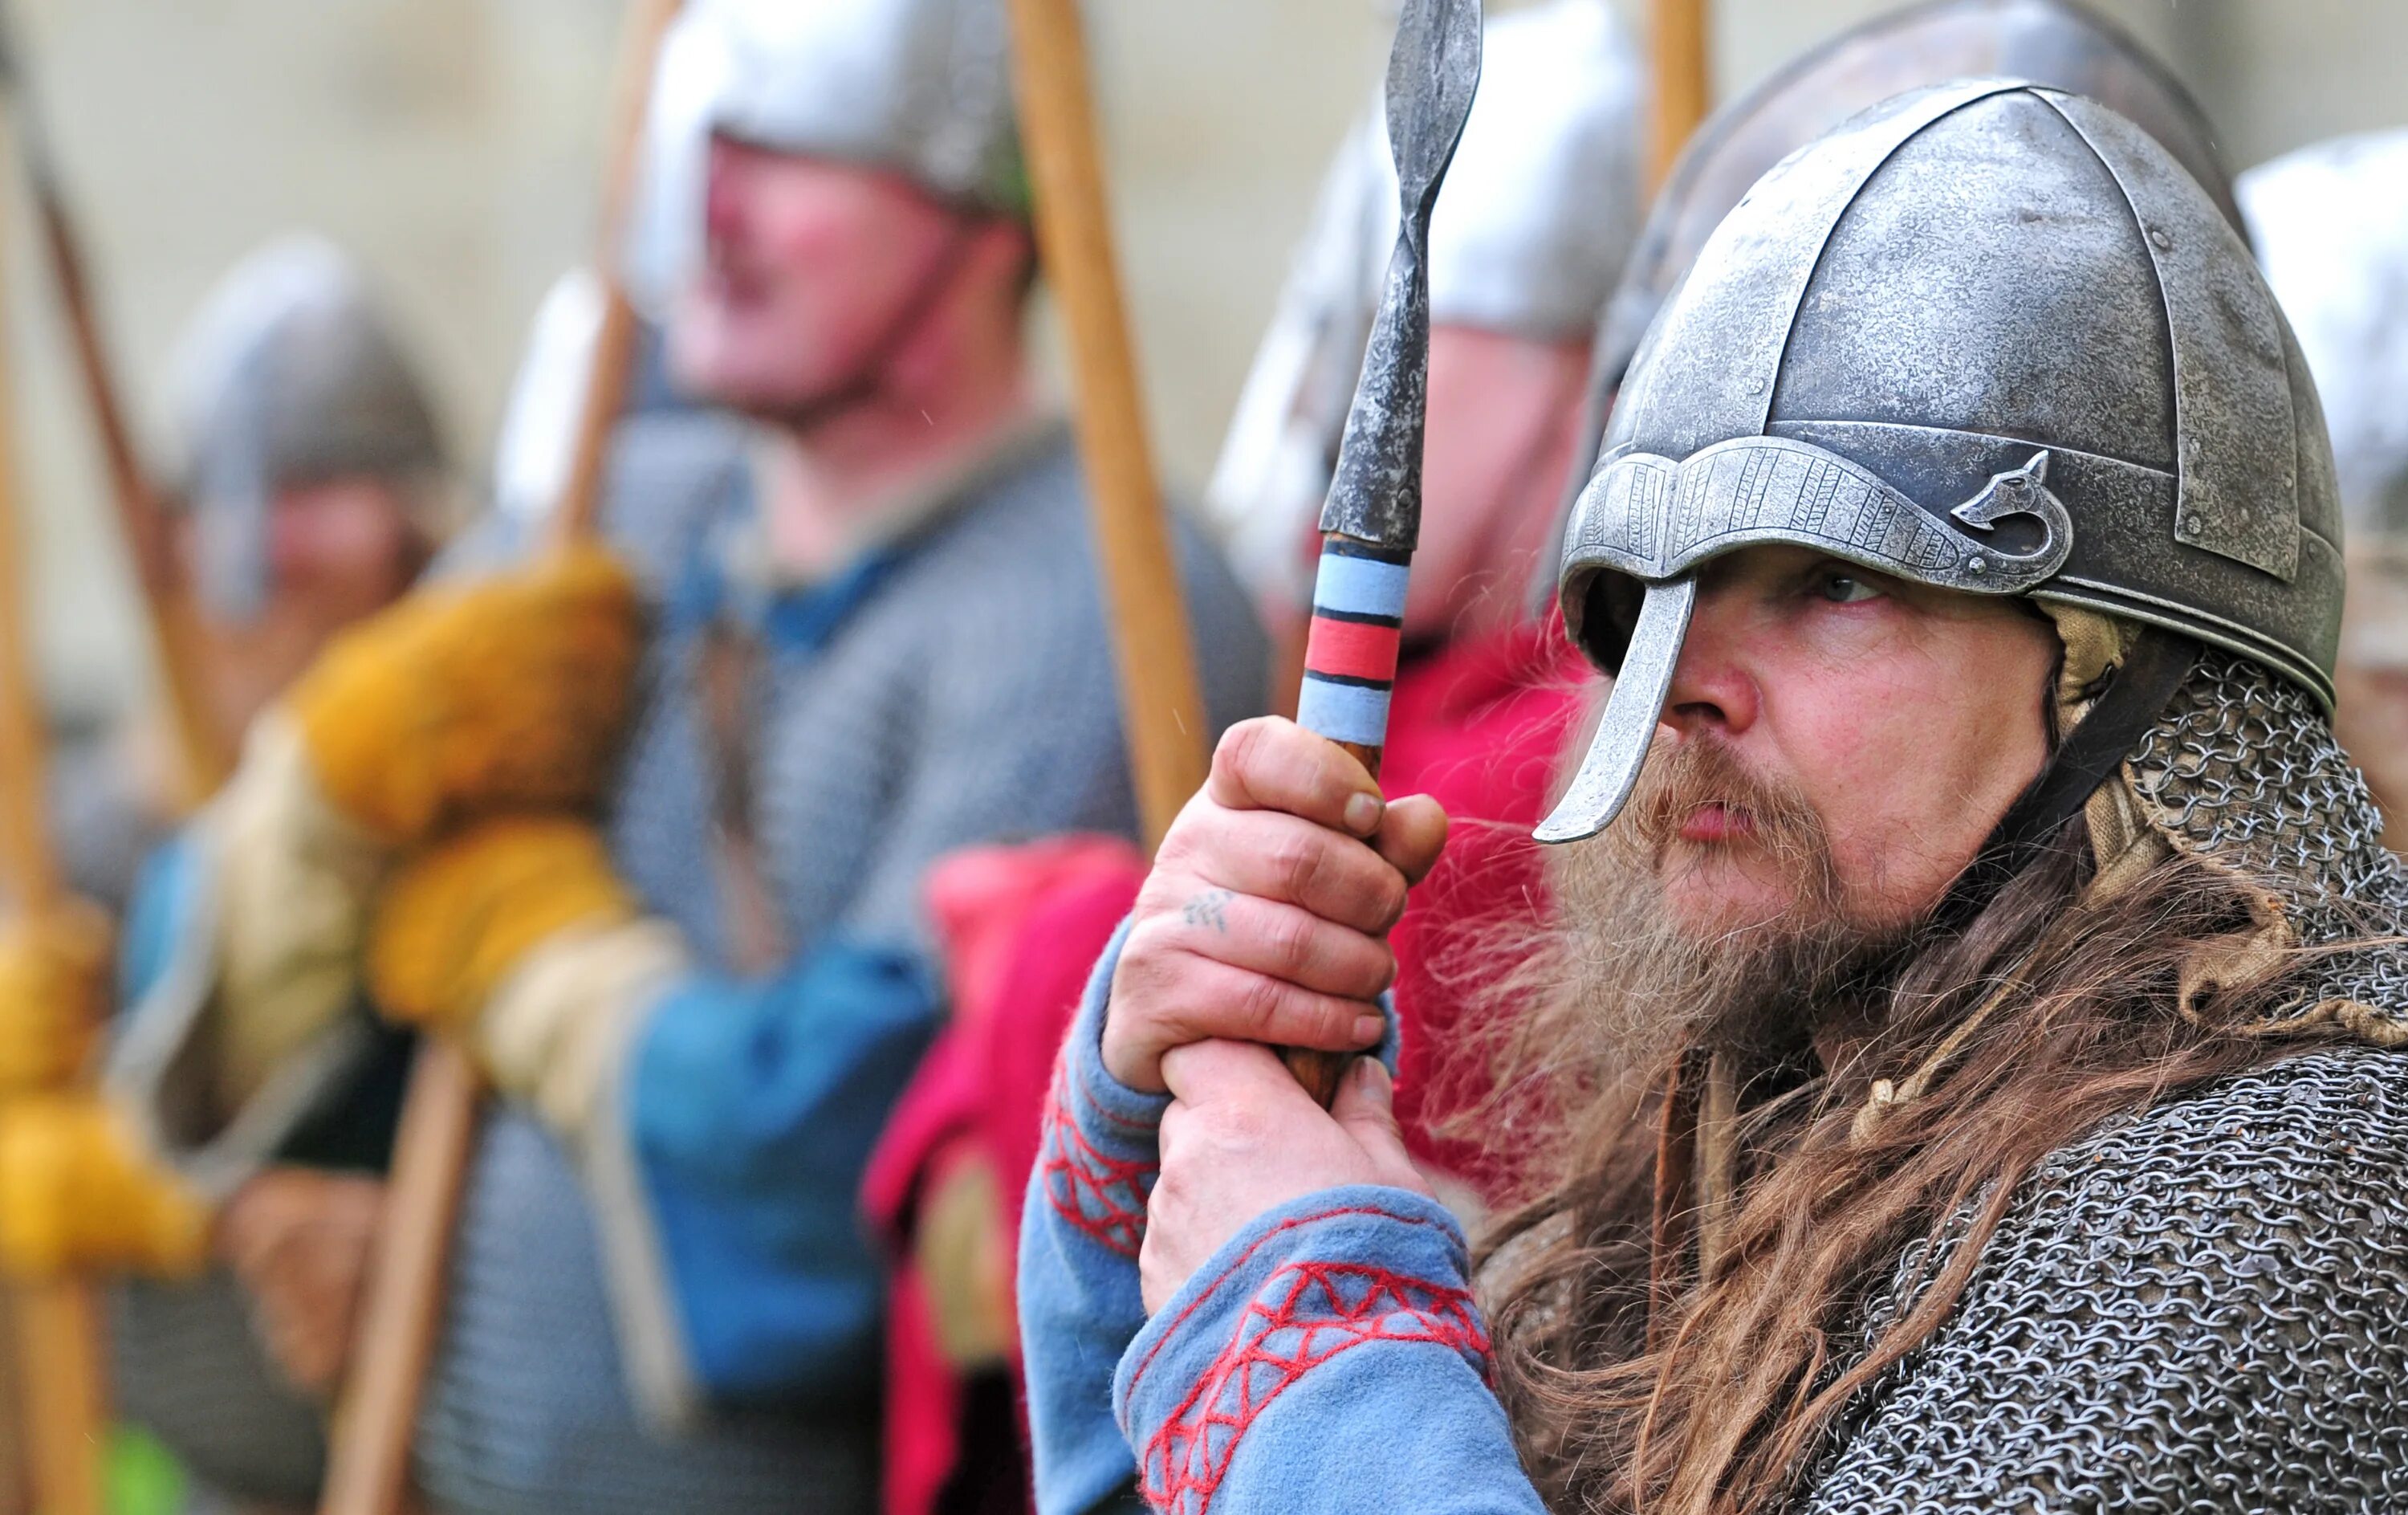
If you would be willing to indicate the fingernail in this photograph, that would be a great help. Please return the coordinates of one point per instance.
(1369, 1074)
(1370, 1028)
(1363, 813)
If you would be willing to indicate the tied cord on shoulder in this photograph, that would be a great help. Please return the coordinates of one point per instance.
(2137, 692)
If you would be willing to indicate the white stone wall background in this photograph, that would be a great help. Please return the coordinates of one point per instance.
(453, 145)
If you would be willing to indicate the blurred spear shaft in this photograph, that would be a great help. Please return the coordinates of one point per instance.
(1679, 42)
(178, 640)
(1161, 707)
(57, 1323)
(368, 1468)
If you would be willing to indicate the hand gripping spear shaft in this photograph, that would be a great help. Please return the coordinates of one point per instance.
(1373, 515)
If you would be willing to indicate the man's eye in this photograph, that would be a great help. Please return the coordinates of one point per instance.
(1845, 589)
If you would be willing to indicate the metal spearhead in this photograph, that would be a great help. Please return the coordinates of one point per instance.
(1375, 496)
(1373, 514)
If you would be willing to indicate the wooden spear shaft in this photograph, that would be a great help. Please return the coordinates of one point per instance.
(368, 1456)
(57, 1321)
(1681, 51)
(176, 636)
(1161, 705)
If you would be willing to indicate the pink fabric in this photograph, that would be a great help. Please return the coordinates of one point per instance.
(1021, 926)
(1478, 723)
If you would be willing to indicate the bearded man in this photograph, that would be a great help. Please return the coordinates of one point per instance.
(1966, 1062)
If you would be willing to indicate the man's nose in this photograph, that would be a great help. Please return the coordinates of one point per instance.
(1712, 687)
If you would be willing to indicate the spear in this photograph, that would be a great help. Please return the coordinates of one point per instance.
(1162, 709)
(367, 1467)
(177, 637)
(1372, 517)
(56, 1319)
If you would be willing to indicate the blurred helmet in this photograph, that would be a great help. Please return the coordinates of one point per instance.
(2330, 222)
(291, 374)
(1989, 336)
(1530, 233)
(919, 87)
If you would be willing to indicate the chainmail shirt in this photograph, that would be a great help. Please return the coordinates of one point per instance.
(2202, 1306)
(996, 606)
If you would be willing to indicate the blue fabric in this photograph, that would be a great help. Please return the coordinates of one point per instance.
(156, 916)
(1328, 1359)
(752, 1109)
(1078, 1299)
(1081, 1305)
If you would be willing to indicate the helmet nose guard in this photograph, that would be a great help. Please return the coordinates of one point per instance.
(1987, 337)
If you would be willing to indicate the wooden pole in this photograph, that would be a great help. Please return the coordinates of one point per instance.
(178, 638)
(57, 1322)
(1160, 700)
(369, 1455)
(1683, 69)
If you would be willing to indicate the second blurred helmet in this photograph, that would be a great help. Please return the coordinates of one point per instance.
(1530, 234)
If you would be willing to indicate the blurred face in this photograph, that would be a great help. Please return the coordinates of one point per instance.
(1837, 744)
(810, 267)
(1503, 414)
(340, 549)
(337, 550)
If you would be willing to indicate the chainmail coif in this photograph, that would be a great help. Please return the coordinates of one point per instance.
(2202, 1306)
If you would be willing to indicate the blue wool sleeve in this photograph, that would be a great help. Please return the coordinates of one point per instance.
(749, 1110)
(1082, 1225)
(1328, 1359)
(1078, 1236)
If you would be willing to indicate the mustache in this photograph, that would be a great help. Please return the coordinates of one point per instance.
(1682, 777)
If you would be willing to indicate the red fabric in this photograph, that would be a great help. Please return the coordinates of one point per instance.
(1021, 927)
(1481, 725)
(1352, 649)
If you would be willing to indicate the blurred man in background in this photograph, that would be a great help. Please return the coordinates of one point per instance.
(2330, 224)
(312, 486)
(650, 839)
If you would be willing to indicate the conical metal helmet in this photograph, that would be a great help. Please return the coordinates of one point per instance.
(2060, 43)
(1989, 336)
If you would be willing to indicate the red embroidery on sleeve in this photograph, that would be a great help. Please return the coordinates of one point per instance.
(1305, 1314)
(1100, 1196)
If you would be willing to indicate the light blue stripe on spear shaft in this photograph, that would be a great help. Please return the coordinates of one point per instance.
(1359, 586)
(1343, 712)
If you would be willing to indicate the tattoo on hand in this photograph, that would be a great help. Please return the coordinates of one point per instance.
(1208, 909)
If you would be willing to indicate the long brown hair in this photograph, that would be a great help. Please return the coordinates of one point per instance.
(1713, 1396)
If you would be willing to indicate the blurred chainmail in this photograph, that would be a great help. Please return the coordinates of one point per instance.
(2202, 1306)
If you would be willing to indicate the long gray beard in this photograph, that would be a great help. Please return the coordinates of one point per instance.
(1644, 987)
